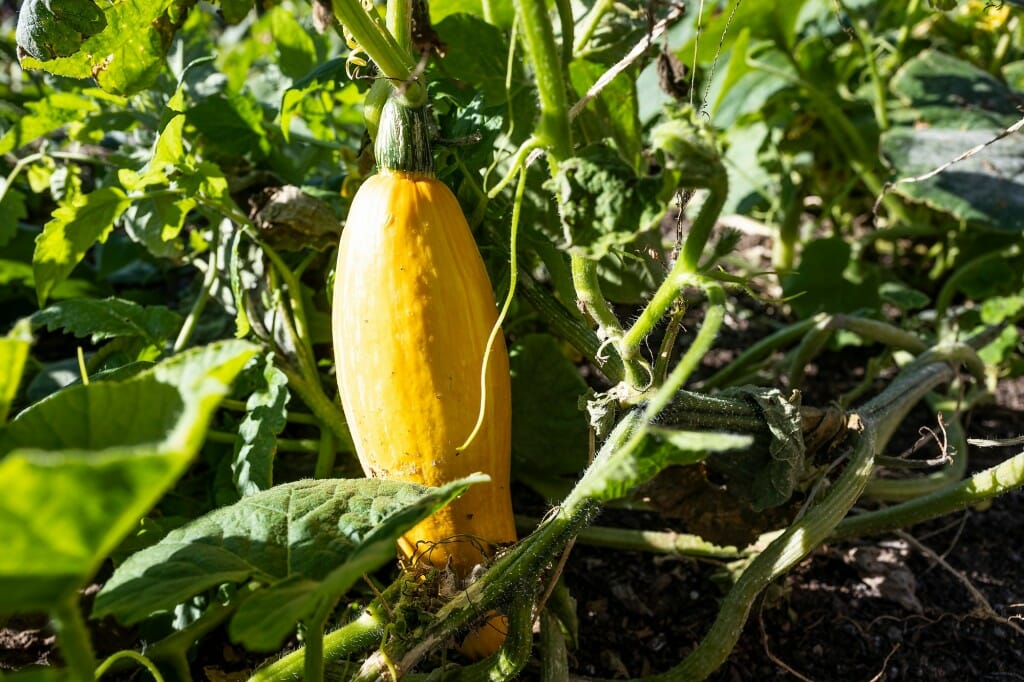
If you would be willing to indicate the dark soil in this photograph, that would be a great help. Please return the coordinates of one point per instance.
(908, 617)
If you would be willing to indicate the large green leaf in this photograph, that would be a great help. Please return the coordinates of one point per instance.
(82, 466)
(110, 318)
(13, 354)
(12, 210)
(945, 92)
(308, 540)
(546, 416)
(126, 55)
(986, 189)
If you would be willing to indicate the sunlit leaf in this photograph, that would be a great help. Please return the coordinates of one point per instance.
(110, 318)
(82, 467)
(126, 55)
(13, 354)
(328, 532)
(75, 227)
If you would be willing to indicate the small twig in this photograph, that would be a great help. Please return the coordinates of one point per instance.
(768, 652)
(885, 664)
(718, 52)
(624, 63)
(979, 599)
(999, 443)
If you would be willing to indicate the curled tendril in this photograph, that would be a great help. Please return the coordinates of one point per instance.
(357, 57)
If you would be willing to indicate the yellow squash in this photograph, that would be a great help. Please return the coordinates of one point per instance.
(413, 309)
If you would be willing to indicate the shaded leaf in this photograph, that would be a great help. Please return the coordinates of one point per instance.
(986, 189)
(12, 209)
(110, 318)
(72, 231)
(82, 467)
(767, 480)
(45, 116)
(827, 280)
(546, 416)
(946, 92)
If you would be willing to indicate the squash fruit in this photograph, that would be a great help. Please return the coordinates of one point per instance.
(412, 312)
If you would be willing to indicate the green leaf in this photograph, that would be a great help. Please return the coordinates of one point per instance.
(828, 280)
(985, 189)
(110, 318)
(75, 227)
(327, 74)
(48, 29)
(45, 116)
(124, 57)
(626, 468)
(945, 92)
(375, 549)
(604, 204)
(253, 465)
(231, 124)
(12, 209)
(476, 56)
(328, 531)
(613, 114)
(296, 53)
(83, 466)
(546, 416)
(13, 354)
(235, 10)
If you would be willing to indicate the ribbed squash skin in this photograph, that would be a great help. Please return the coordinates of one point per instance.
(413, 309)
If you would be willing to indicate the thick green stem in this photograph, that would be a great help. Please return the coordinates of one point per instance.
(73, 640)
(700, 231)
(554, 654)
(682, 272)
(781, 555)
(353, 637)
(539, 41)
(713, 318)
(398, 19)
(984, 485)
(373, 37)
(590, 298)
(326, 455)
(590, 24)
(313, 659)
(652, 541)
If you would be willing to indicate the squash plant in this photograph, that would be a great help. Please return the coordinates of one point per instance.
(196, 167)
